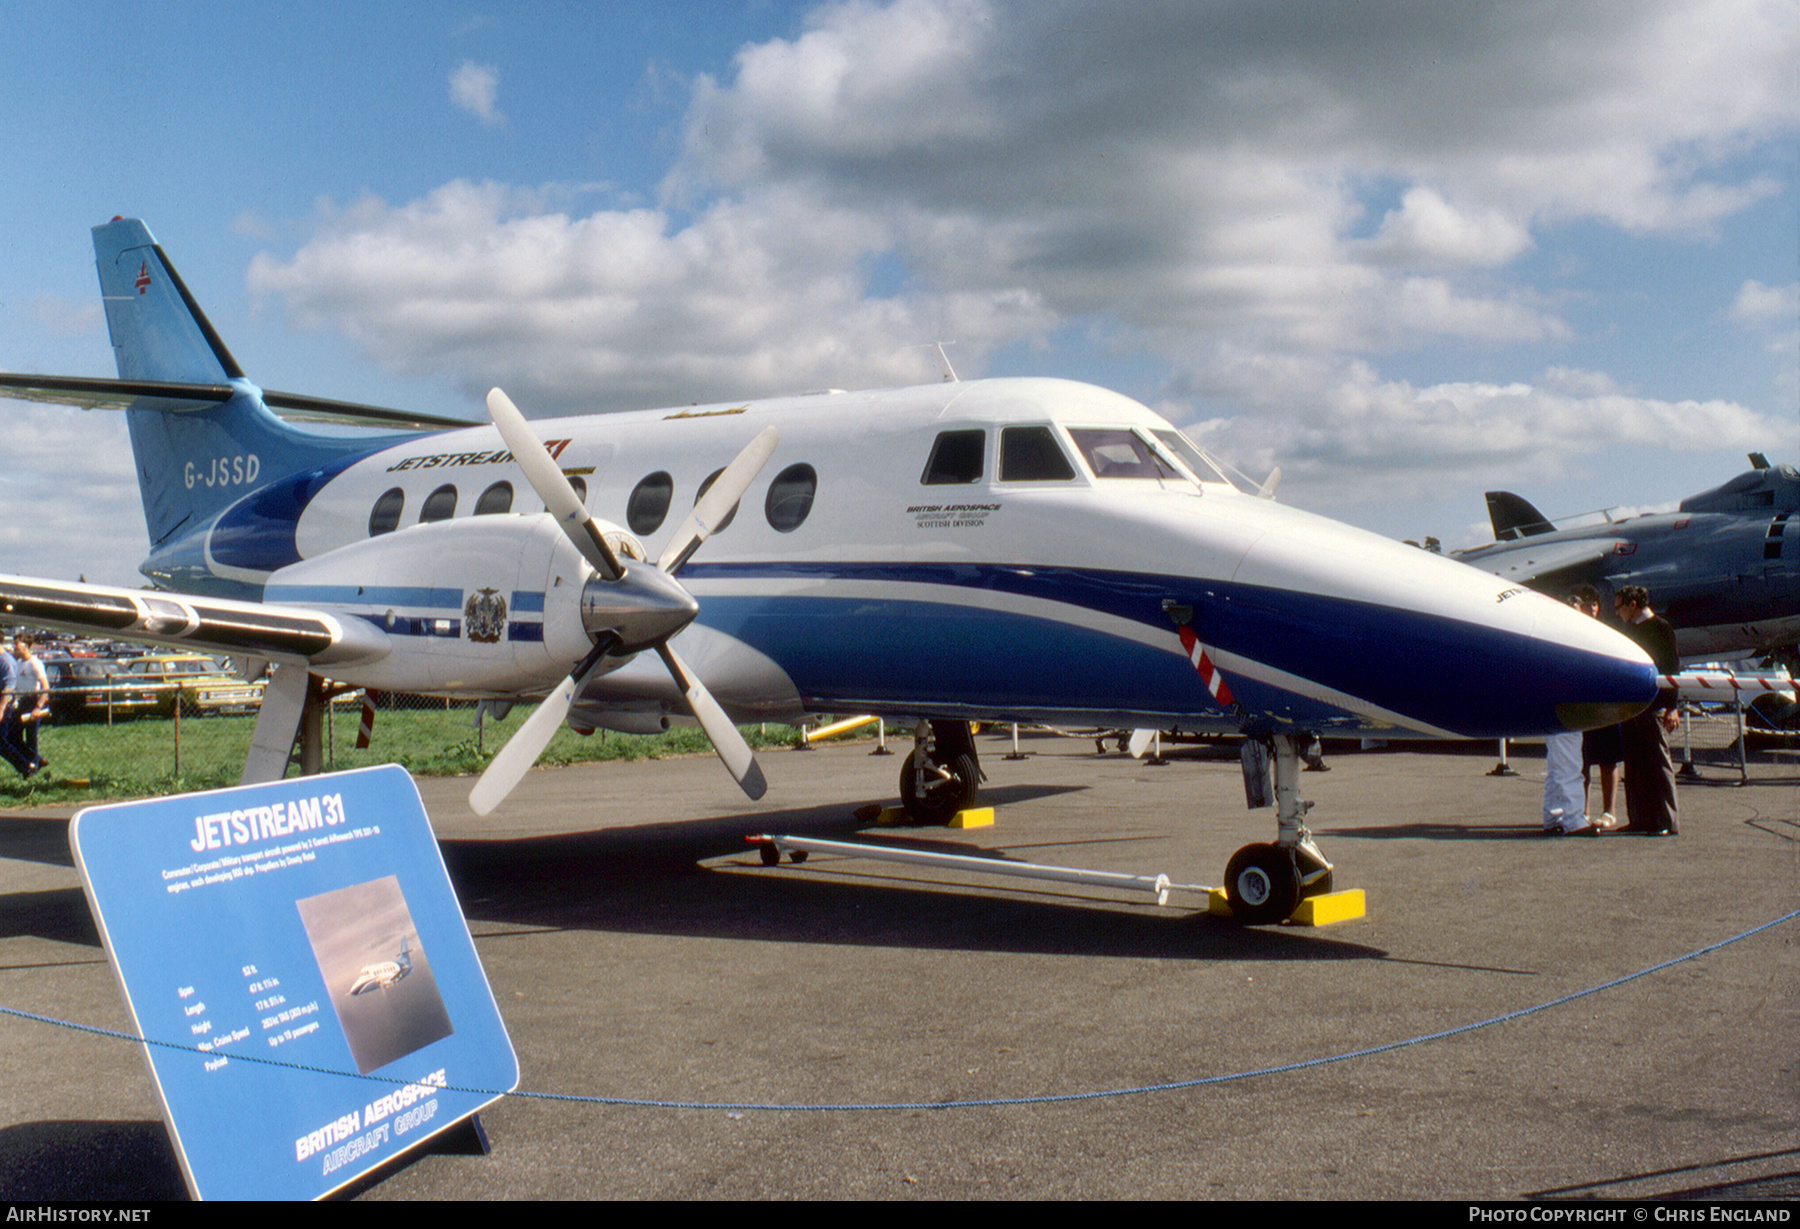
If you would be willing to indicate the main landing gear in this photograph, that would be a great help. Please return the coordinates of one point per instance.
(941, 775)
(1266, 883)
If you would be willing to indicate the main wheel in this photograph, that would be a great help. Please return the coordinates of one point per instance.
(939, 800)
(1262, 884)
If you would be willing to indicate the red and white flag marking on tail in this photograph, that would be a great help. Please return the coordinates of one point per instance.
(1215, 682)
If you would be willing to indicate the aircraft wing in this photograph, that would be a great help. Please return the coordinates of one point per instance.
(291, 634)
(93, 393)
(1552, 565)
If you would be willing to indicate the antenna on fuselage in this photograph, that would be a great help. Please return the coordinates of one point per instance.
(944, 362)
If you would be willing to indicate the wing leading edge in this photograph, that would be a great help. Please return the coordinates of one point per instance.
(293, 634)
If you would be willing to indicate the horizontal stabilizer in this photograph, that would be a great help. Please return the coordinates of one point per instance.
(94, 393)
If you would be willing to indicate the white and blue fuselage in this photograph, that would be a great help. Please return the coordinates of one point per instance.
(856, 577)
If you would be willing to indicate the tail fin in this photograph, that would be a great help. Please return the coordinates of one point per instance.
(194, 457)
(1513, 517)
(158, 331)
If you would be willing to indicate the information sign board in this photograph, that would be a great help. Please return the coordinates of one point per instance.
(300, 945)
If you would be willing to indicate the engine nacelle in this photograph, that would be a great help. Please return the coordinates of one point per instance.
(480, 601)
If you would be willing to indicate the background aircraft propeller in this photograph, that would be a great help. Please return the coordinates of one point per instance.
(645, 600)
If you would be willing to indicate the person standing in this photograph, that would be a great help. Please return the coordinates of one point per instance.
(10, 750)
(1650, 806)
(1599, 748)
(1565, 791)
(31, 692)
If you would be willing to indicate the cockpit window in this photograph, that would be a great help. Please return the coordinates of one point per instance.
(440, 505)
(956, 457)
(1190, 456)
(385, 516)
(1115, 452)
(1031, 454)
(496, 500)
(648, 506)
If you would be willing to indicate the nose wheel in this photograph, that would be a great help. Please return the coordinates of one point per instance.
(1265, 883)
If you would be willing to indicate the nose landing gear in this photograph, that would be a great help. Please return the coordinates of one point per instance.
(1266, 883)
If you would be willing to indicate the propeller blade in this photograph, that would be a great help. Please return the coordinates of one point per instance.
(720, 498)
(1140, 742)
(733, 751)
(521, 751)
(547, 479)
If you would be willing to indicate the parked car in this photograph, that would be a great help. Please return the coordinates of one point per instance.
(194, 682)
(94, 689)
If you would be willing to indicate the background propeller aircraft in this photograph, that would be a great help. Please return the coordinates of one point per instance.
(1006, 550)
(1723, 568)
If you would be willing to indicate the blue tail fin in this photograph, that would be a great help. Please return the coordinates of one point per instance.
(158, 331)
(197, 456)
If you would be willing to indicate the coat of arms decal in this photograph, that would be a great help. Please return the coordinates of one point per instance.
(484, 615)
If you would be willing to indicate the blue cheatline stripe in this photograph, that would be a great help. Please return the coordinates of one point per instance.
(975, 1103)
(413, 596)
(528, 602)
(1420, 665)
(525, 632)
(407, 625)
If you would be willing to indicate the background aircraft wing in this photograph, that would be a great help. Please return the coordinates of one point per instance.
(211, 625)
(1551, 566)
(94, 393)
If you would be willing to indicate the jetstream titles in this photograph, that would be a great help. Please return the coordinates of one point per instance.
(261, 823)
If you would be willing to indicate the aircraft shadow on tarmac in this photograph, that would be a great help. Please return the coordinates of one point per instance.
(123, 1161)
(701, 878)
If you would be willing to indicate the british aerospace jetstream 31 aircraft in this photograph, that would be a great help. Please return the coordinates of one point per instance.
(1006, 550)
(383, 973)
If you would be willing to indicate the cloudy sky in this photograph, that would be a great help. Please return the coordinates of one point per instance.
(1407, 252)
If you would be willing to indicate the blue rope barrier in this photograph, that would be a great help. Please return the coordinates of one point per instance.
(976, 1103)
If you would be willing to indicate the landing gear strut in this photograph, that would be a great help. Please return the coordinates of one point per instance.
(941, 775)
(1266, 883)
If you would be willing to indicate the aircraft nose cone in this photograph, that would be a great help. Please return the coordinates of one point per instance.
(1431, 644)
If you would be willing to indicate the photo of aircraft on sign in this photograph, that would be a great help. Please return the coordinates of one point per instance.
(1026, 550)
(383, 973)
(1723, 568)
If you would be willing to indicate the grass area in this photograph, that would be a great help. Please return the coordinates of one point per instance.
(141, 757)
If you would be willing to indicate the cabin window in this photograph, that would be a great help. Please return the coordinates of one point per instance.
(440, 505)
(791, 497)
(385, 518)
(1190, 456)
(648, 506)
(1031, 454)
(956, 458)
(706, 486)
(1113, 452)
(495, 501)
(580, 485)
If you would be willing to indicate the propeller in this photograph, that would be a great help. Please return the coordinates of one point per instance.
(637, 604)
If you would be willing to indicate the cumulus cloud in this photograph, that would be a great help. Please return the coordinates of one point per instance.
(1757, 303)
(1368, 437)
(69, 467)
(1264, 200)
(475, 88)
(623, 309)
